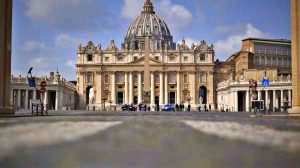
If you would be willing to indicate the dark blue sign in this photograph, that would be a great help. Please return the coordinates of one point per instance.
(31, 82)
(265, 82)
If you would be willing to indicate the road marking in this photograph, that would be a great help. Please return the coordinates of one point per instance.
(44, 134)
(261, 135)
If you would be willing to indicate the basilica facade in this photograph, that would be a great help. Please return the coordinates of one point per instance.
(111, 76)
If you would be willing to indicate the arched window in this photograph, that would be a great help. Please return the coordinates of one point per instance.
(135, 79)
(185, 79)
(279, 61)
(257, 62)
(274, 61)
(263, 60)
(203, 77)
(284, 62)
(268, 60)
(172, 78)
(89, 77)
(90, 57)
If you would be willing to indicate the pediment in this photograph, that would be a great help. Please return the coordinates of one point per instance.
(141, 61)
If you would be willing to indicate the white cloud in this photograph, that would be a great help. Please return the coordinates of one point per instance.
(131, 8)
(177, 16)
(70, 15)
(224, 48)
(65, 41)
(33, 45)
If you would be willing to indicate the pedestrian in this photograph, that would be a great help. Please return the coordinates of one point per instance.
(205, 108)
(177, 107)
(199, 108)
(209, 107)
(189, 107)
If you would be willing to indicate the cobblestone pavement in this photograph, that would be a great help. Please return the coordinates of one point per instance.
(151, 139)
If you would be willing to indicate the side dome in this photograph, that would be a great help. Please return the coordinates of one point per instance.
(148, 24)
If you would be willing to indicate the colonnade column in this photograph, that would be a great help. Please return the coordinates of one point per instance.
(140, 89)
(166, 88)
(178, 94)
(247, 101)
(152, 89)
(99, 89)
(45, 99)
(290, 98)
(5, 55)
(235, 95)
(193, 88)
(161, 88)
(130, 87)
(57, 97)
(19, 99)
(295, 29)
(267, 102)
(126, 88)
(113, 88)
(281, 100)
(274, 100)
(26, 99)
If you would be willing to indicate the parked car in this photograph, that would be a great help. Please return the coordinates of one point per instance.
(168, 107)
(128, 107)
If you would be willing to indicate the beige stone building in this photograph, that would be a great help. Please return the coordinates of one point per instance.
(113, 75)
(60, 95)
(258, 59)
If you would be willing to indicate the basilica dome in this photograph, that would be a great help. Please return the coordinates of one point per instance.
(148, 24)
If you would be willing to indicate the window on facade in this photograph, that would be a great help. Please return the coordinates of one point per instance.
(120, 58)
(263, 60)
(106, 59)
(202, 77)
(202, 57)
(120, 78)
(172, 78)
(284, 62)
(185, 59)
(274, 61)
(185, 79)
(135, 58)
(89, 77)
(135, 79)
(90, 57)
(156, 78)
(171, 58)
(106, 78)
(268, 61)
(279, 61)
(257, 62)
(157, 58)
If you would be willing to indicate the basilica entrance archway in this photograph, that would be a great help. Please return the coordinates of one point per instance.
(87, 95)
(203, 95)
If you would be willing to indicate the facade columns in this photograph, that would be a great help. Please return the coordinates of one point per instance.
(166, 88)
(126, 88)
(247, 101)
(99, 89)
(152, 89)
(235, 100)
(57, 100)
(19, 99)
(45, 99)
(290, 98)
(274, 100)
(130, 87)
(140, 89)
(26, 99)
(178, 94)
(193, 88)
(295, 26)
(161, 88)
(113, 88)
(267, 102)
(5, 55)
(281, 99)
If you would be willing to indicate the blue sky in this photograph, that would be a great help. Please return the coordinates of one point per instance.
(46, 33)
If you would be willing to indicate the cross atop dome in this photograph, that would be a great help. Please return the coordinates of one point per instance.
(148, 7)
